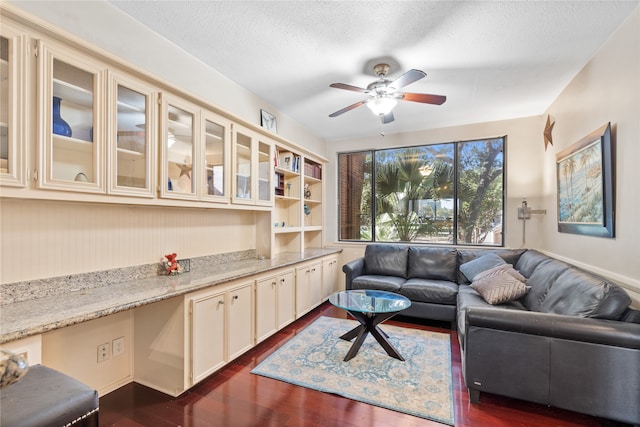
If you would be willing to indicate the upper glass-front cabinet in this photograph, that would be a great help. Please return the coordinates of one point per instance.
(253, 168)
(71, 129)
(13, 68)
(131, 137)
(178, 149)
(217, 158)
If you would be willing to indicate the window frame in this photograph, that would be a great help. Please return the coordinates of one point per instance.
(457, 145)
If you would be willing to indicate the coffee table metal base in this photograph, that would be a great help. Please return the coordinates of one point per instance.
(369, 324)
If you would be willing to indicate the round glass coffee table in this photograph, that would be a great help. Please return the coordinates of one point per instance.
(370, 308)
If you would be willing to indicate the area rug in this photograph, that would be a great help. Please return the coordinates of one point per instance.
(420, 386)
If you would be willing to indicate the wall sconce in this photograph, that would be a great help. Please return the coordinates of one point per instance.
(525, 212)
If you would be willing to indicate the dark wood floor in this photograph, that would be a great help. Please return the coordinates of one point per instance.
(235, 397)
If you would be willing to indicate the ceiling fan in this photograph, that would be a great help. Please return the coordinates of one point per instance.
(383, 93)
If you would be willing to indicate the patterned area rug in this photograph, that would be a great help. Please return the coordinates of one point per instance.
(419, 386)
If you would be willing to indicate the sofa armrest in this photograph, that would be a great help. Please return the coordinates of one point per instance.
(597, 331)
(352, 270)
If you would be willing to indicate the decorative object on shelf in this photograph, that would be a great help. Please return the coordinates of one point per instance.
(60, 127)
(288, 189)
(307, 211)
(584, 172)
(171, 264)
(307, 192)
(548, 128)
(81, 177)
(268, 121)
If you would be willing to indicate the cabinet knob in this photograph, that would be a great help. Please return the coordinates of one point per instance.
(273, 283)
(281, 280)
(221, 302)
(235, 297)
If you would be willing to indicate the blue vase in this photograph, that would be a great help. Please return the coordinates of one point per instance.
(60, 127)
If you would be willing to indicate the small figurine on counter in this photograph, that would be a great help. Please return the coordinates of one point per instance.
(171, 265)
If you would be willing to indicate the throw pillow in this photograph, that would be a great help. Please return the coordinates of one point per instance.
(476, 266)
(499, 287)
(507, 268)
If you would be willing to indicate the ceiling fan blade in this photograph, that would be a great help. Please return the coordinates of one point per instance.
(422, 97)
(408, 78)
(387, 118)
(345, 109)
(349, 87)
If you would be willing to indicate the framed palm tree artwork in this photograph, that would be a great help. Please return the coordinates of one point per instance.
(585, 184)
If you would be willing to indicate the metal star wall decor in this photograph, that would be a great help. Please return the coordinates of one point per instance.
(548, 139)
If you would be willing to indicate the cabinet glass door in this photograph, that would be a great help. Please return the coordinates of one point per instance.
(13, 166)
(70, 126)
(179, 152)
(131, 141)
(243, 157)
(265, 173)
(216, 154)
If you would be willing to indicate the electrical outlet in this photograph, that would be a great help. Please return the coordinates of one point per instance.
(104, 352)
(185, 264)
(118, 346)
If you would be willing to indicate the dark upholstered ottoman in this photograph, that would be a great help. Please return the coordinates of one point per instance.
(46, 397)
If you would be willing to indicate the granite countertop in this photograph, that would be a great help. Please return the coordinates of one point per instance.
(35, 316)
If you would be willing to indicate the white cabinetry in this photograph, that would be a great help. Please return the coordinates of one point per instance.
(180, 341)
(252, 168)
(13, 72)
(275, 303)
(308, 287)
(330, 271)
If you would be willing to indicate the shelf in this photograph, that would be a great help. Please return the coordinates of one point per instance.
(312, 201)
(311, 179)
(312, 228)
(129, 154)
(287, 172)
(286, 230)
(69, 93)
(287, 198)
(73, 144)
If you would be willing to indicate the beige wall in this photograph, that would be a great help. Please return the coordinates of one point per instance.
(43, 239)
(606, 90)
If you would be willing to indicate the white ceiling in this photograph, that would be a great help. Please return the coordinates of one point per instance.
(493, 60)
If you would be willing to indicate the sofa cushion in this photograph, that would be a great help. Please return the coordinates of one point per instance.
(541, 280)
(432, 263)
(434, 291)
(529, 261)
(386, 260)
(510, 256)
(580, 293)
(380, 283)
(499, 285)
(476, 266)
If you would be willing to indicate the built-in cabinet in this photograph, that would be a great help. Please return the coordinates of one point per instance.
(13, 72)
(182, 340)
(275, 303)
(330, 274)
(308, 287)
(252, 167)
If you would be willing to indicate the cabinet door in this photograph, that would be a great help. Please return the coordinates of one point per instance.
(216, 158)
(243, 172)
(13, 69)
(132, 136)
(303, 293)
(240, 312)
(207, 336)
(329, 276)
(265, 173)
(179, 122)
(315, 284)
(71, 132)
(266, 303)
(286, 299)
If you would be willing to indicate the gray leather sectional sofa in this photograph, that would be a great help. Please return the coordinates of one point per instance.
(572, 341)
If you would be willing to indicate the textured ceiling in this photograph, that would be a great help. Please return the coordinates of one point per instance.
(493, 60)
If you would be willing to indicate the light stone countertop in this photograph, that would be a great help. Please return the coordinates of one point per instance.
(35, 316)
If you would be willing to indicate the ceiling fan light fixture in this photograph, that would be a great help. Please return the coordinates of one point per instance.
(381, 106)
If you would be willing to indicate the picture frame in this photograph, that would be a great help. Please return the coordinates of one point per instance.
(585, 185)
(268, 121)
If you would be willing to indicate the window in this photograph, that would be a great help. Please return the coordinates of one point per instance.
(449, 193)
